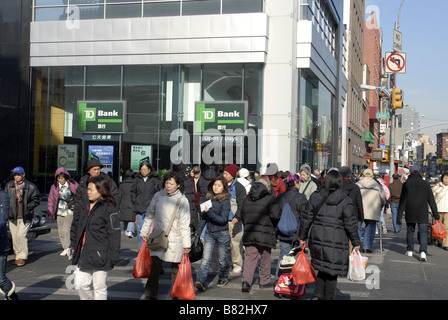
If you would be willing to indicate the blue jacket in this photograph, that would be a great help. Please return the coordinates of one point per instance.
(216, 218)
(4, 213)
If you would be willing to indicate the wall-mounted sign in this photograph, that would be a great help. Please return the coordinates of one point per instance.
(105, 154)
(68, 156)
(101, 116)
(140, 154)
(220, 115)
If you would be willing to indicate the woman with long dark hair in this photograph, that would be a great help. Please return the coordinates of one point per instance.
(329, 212)
(95, 239)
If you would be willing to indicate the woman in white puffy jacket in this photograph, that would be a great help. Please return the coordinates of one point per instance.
(440, 191)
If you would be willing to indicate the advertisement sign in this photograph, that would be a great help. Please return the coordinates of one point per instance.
(68, 156)
(101, 116)
(105, 154)
(220, 115)
(306, 122)
(140, 154)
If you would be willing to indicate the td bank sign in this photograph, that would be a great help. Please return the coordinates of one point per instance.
(101, 116)
(220, 116)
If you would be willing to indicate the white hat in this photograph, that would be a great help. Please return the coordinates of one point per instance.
(243, 173)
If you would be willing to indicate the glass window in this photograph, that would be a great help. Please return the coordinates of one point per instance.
(222, 82)
(191, 90)
(196, 7)
(50, 14)
(161, 9)
(115, 1)
(86, 2)
(123, 11)
(103, 83)
(91, 12)
(242, 6)
(50, 2)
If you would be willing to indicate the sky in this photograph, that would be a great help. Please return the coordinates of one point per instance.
(425, 42)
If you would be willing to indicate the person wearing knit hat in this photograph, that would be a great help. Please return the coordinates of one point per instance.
(308, 186)
(278, 186)
(244, 179)
(237, 196)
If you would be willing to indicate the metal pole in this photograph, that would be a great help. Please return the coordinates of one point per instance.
(392, 145)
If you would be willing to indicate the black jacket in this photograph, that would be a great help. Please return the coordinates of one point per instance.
(142, 192)
(331, 228)
(415, 197)
(189, 194)
(259, 214)
(82, 188)
(4, 214)
(216, 219)
(297, 202)
(127, 211)
(31, 199)
(355, 194)
(101, 250)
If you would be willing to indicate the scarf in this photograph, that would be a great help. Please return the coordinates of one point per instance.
(19, 190)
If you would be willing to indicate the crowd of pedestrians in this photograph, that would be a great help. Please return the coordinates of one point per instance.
(235, 214)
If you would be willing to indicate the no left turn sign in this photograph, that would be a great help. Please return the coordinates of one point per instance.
(395, 62)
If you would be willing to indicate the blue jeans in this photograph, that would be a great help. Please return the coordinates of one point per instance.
(5, 283)
(140, 219)
(423, 236)
(222, 239)
(369, 234)
(394, 210)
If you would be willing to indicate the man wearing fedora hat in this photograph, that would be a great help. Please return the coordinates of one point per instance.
(94, 170)
(24, 197)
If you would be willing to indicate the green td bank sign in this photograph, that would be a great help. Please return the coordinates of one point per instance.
(101, 116)
(220, 116)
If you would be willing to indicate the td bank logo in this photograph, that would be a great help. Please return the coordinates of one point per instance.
(204, 115)
(85, 114)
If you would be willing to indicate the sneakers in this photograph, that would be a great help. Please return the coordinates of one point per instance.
(222, 283)
(200, 286)
(129, 234)
(409, 253)
(236, 270)
(64, 253)
(423, 256)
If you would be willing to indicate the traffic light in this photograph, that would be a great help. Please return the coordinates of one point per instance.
(397, 99)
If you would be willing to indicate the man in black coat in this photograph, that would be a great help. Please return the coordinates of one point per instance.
(415, 197)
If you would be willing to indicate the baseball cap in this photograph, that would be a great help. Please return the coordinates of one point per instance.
(18, 170)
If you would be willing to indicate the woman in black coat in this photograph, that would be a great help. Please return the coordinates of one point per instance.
(127, 211)
(329, 212)
(95, 239)
(259, 214)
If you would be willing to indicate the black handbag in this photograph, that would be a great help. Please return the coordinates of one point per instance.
(197, 248)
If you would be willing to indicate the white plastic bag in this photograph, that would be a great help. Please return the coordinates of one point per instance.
(357, 266)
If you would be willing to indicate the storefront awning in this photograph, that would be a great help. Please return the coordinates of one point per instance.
(368, 137)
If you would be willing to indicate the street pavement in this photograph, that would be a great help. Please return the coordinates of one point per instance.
(390, 275)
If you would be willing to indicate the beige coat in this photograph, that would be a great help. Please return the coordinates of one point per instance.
(373, 198)
(160, 211)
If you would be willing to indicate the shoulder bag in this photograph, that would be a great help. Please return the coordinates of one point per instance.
(158, 240)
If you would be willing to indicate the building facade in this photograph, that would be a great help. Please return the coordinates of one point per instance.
(281, 58)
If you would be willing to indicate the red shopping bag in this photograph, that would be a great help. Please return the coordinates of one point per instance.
(438, 230)
(302, 272)
(142, 266)
(183, 286)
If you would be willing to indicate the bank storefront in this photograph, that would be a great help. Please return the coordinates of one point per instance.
(155, 100)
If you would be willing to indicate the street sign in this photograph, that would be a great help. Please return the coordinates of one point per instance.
(395, 62)
(383, 115)
(397, 41)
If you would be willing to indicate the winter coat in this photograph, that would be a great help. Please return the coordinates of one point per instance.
(31, 199)
(53, 195)
(297, 202)
(440, 192)
(415, 198)
(395, 191)
(143, 191)
(209, 175)
(355, 194)
(4, 213)
(259, 214)
(84, 182)
(373, 198)
(216, 219)
(127, 211)
(200, 190)
(308, 187)
(160, 212)
(189, 194)
(331, 229)
(101, 227)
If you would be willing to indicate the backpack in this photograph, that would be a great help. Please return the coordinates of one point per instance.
(288, 222)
